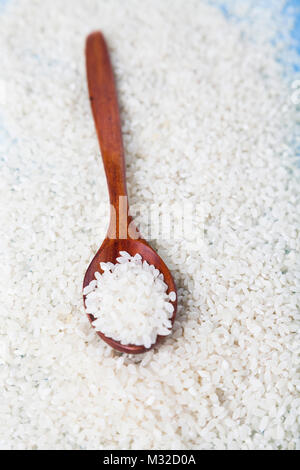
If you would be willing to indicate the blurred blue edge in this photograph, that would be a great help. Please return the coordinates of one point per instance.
(291, 8)
(296, 30)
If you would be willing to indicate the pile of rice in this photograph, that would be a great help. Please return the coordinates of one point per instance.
(207, 119)
(129, 301)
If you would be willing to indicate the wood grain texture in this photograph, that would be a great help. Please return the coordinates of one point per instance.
(105, 110)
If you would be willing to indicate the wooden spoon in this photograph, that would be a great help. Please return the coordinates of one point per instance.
(122, 234)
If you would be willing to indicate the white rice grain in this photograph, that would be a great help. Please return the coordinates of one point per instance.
(207, 120)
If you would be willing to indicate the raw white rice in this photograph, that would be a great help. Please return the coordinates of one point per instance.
(208, 118)
(129, 301)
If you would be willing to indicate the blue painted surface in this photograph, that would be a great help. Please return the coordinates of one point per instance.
(291, 10)
(3, 3)
(295, 6)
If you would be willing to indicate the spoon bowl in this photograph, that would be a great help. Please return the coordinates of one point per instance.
(122, 234)
(108, 252)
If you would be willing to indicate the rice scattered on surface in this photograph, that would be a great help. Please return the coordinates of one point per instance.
(129, 301)
(207, 118)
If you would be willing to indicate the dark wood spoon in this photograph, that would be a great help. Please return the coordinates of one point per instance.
(122, 233)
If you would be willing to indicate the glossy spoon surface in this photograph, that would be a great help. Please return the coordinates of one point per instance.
(122, 233)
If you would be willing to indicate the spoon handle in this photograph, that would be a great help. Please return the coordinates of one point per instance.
(104, 103)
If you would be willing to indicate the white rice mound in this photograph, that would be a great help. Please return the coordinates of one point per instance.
(129, 301)
(207, 118)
